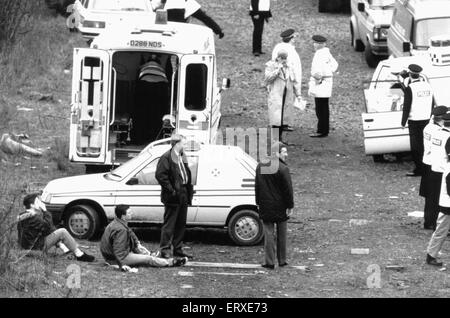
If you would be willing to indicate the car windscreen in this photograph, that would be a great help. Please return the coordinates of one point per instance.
(120, 5)
(425, 29)
(123, 170)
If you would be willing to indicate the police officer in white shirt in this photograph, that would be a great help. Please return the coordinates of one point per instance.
(443, 221)
(430, 184)
(417, 106)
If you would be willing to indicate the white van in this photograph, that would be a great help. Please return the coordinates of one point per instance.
(414, 23)
(115, 114)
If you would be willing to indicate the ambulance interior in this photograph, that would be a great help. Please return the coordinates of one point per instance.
(139, 102)
(384, 93)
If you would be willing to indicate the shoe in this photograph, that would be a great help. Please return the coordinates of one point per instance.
(413, 174)
(221, 35)
(433, 261)
(256, 54)
(261, 52)
(164, 254)
(86, 258)
(283, 264)
(182, 254)
(268, 266)
(179, 261)
(288, 128)
(317, 135)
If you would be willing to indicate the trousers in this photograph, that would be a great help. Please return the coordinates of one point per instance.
(274, 244)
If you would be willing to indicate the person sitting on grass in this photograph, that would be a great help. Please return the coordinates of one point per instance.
(119, 245)
(36, 230)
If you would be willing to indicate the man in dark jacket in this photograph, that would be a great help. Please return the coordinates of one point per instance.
(274, 198)
(36, 230)
(260, 13)
(174, 176)
(120, 245)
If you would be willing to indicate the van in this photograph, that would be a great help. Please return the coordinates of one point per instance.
(414, 22)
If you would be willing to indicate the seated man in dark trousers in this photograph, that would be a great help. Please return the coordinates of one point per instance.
(174, 176)
(120, 245)
(37, 232)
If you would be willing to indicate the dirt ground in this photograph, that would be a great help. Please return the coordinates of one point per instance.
(334, 183)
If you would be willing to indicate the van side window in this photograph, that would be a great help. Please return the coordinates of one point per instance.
(196, 87)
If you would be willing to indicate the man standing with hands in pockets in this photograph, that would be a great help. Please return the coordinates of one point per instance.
(275, 201)
(174, 176)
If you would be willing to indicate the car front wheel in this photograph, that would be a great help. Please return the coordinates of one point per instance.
(82, 221)
(245, 228)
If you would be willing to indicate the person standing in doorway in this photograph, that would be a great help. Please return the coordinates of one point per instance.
(260, 13)
(275, 201)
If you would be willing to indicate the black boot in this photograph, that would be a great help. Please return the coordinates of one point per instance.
(433, 261)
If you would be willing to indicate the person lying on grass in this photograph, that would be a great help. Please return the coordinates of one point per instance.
(120, 246)
(36, 230)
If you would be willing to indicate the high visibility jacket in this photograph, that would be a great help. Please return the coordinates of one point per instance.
(262, 6)
(430, 129)
(439, 156)
(422, 100)
(444, 197)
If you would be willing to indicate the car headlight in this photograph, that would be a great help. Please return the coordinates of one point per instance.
(380, 33)
(46, 196)
(94, 24)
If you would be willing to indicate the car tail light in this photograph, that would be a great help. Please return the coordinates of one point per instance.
(94, 24)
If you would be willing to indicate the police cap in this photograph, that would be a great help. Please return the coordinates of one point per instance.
(414, 68)
(439, 111)
(446, 117)
(289, 33)
(319, 38)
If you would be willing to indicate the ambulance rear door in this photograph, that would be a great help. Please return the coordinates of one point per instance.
(89, 109)
(382, 115)
(195, 98)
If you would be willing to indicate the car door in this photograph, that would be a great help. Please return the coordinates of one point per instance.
(141, 191)
(382, 115)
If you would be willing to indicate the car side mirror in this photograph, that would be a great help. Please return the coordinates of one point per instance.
(361, 7)
(226, 84)
(133, 181)
(406, 46)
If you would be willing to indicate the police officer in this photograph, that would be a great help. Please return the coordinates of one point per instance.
(417, 107)
(259, 12)
(430, 184)
(443, 222)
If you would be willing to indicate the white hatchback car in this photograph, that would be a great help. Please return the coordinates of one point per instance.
(98, 15)
(223, 179)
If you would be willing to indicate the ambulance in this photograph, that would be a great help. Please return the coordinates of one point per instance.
(115, 114)
(383, 133)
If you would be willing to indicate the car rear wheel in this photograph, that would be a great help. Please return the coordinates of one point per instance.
(378, 158)
(245, 228)
(82, 221)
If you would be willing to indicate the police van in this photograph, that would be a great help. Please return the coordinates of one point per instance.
(136, 85)
(414, 23)
(383, 133)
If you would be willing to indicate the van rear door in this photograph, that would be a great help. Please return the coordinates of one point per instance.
(194, 101)
(89, 109)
